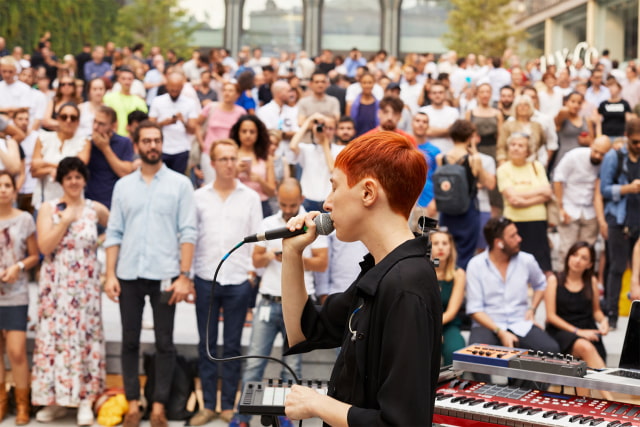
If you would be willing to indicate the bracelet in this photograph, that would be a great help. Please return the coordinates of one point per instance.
(496, 330)
(20, 265)
(575, 331)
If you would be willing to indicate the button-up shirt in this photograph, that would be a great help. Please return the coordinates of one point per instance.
(578, 177)
(615, 203)
(503, 300)
(149, 222)
(221, 225)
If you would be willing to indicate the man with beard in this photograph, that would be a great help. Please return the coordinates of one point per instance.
(441, 117)
(345, 132)
(176, 114)
(620, 188)
(389, 115)
(507, 95)
(574, 185)
(497, 294)
(150, 243)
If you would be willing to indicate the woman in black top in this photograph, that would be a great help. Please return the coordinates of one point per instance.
(615, 111)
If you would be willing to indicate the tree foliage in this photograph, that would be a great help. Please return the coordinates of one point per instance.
(155, 22)
(482, 27)
(70, 22)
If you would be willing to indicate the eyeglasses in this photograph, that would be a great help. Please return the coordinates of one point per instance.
(66, 84)
(68, 117)
(150, 140)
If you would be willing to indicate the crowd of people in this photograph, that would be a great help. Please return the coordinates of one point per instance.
(165, 164)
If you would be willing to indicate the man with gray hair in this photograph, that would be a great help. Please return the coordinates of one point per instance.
(280, 116)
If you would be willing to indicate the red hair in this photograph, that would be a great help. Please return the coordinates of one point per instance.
(393, 161)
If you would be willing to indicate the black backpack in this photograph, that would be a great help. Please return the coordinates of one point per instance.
(451, 188)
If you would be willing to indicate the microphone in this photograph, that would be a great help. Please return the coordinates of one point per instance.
(324, 227)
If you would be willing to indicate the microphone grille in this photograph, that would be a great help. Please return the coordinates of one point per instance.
(324, 224)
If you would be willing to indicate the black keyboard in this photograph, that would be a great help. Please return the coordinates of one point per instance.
(626, 373)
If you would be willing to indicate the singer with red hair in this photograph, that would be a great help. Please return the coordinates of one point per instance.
(389, 321)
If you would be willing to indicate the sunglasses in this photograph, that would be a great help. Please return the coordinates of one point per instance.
(67, 84)
(68, 117)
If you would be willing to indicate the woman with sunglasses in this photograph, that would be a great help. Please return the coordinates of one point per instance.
(51, 147)
(65, 93)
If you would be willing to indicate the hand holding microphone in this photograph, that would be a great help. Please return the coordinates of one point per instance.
(310, 223)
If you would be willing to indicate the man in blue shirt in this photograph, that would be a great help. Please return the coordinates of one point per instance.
(420, 126)
(353, 61)
(150, 242)
(497, 297)
(97, 67)
(111, 157)
(620, 188)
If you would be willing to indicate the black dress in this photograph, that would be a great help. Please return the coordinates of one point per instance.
(577, 309)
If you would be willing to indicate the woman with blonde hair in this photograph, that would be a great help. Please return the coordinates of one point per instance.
(521, 123)
(452, 281)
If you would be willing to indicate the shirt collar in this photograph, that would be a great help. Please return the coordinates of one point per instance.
(372, 274)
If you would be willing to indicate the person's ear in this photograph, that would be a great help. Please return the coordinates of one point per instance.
(370, 191)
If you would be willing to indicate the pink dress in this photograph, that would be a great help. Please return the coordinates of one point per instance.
(69, 354)
(258, 168)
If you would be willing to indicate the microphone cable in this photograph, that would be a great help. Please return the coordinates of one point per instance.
(228, 359)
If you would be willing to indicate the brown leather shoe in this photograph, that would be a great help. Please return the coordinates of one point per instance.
(227, 415)
(158, 420)
(22, 406)
(203, 417)
(132, 419)
(4, 401)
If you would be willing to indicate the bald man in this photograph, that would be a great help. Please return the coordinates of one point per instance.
(176, 114)
(574, 185)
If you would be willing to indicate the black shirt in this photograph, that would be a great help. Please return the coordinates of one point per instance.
(613, 117)
(632, 219)
(389, 372)
(264, 93)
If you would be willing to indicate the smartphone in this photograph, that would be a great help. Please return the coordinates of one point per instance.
(165, 296)
(61, 206)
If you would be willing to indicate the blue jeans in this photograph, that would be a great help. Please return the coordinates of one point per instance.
(262, 336)
(234, 300)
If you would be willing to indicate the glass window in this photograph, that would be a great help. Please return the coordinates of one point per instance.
(351, 23)
(422, 24)
(211, 14)
(570, 28)
(617, 28)
(272, 25)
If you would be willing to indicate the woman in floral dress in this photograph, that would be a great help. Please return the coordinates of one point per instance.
(69, 357)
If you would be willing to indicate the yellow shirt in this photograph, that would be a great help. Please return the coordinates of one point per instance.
(523, 179)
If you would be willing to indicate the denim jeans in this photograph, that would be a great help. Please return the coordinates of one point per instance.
(234, 301)
(262, 336)
(132, 302)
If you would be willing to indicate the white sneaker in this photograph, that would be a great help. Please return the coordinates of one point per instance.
(50, 413)
(85, 414)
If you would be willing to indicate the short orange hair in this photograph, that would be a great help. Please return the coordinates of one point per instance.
(392, 160)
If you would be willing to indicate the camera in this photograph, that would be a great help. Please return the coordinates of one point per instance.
(319, 126)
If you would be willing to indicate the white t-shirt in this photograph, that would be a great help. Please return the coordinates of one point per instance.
(578, 177)
(315, 172)
(410, 94)
(176, 138)
(271, 283)
(441, 118)
(28, 145)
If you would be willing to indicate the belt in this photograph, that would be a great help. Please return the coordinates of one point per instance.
(272, 298)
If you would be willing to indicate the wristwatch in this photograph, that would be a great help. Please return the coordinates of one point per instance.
(20, 265)
(186, 274)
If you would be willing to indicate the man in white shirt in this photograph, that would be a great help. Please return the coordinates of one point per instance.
(176, 114)
(39, 100)
(14, 94)
(226, 211)
(410, 89)
(498, 77)
(268, 321)
(278, 115)
(441, 116)
(574, 184)
(315, 158)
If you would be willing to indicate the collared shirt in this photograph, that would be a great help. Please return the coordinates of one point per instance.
(578, 177)
(343, 269)
(93, 70)
(597, 98)
(503, 300)
(615, 203)
(393, 306)
(271, 283)
(221, 225)
(175, 136)
(149, 222)
(102, 178)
